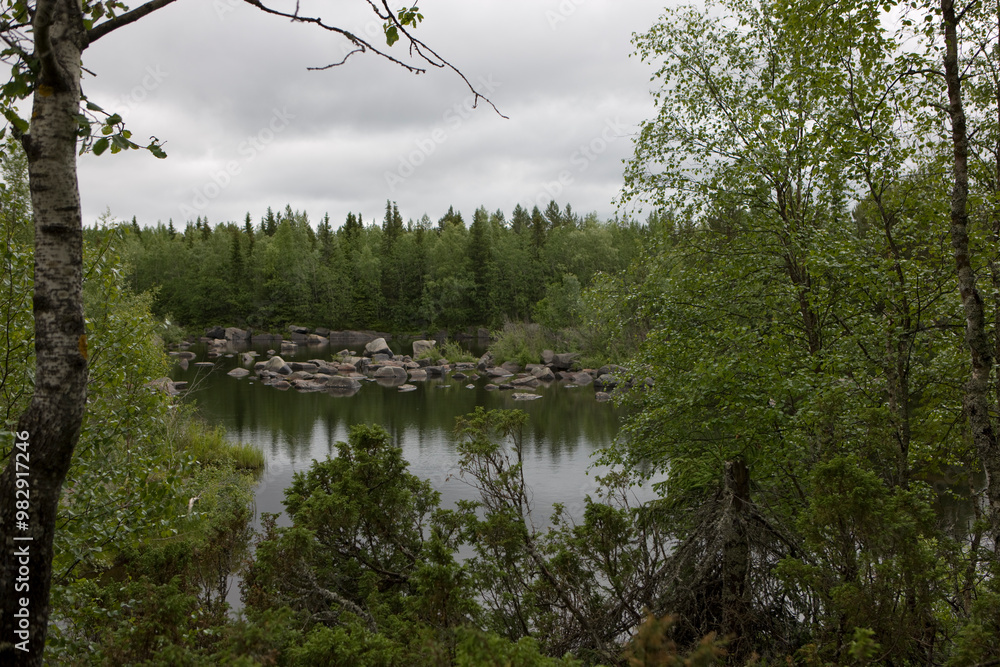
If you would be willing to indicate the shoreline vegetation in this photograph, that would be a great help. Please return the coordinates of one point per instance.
(516, 359)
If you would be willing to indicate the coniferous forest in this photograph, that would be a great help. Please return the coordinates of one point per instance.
(283, 269)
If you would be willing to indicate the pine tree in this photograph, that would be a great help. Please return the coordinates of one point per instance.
(538, 229)
(519, 220)
(269, 224)
(553, 215)
(451, 218)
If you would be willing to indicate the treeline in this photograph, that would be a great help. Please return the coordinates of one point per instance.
(392, 276)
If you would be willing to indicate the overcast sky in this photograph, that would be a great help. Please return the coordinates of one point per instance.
(247, 126)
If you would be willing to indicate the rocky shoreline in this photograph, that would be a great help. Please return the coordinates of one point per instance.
(344, 373)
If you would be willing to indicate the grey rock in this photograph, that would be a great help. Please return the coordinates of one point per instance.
(163, 384)
(421, 347)
(306, 366)
(377, 346)
(606, 382)
(341, 383)
(393, 372)
(485, 361)
(564, 362)
(543, 373)
(237, 335)
(277, 365)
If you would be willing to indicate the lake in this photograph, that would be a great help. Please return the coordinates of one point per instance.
(565, 427)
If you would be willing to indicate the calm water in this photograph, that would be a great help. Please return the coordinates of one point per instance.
(564, 429)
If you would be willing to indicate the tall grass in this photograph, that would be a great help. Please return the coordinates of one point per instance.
(450, 350)
(211, 447)
(523, 342)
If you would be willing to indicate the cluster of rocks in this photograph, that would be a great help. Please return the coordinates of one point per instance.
(220, 340)
(345, 373)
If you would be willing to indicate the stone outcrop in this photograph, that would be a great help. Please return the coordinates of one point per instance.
(563, 362)
(543, 374)
(377, 346)
(393, 372)
(236, 335)
(421, 347)
(277, 365)
(346, 372)
(354, 338)
(164, 384)
(344, 384)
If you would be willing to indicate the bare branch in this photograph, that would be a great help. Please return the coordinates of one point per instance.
(132, 16)
(418, 48)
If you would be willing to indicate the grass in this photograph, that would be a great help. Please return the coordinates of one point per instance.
(449, 350)
(523, 342)
(210, 447)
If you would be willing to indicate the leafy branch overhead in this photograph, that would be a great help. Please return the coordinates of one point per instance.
(407, 17)
(101, 130)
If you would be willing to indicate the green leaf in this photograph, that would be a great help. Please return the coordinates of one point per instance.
(391, 34)
(16, 120)
(156, 149)
(100, 146)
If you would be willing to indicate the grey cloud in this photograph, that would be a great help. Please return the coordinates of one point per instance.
(220, 85)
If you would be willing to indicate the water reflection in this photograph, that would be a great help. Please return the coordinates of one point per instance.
(565, 427)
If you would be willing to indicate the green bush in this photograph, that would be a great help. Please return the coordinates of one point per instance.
(523, 342)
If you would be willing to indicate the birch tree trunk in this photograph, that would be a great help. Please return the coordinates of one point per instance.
(976, 400)
(51, 425)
